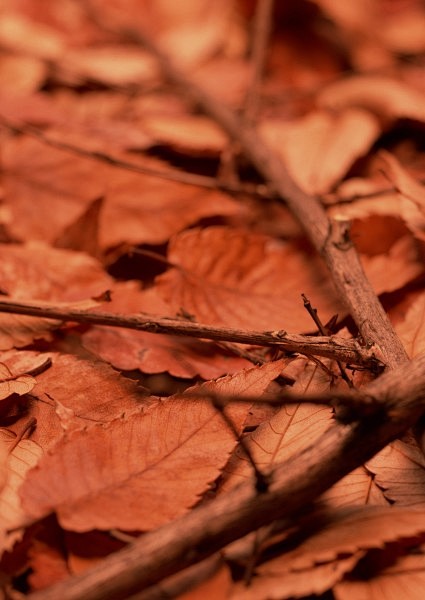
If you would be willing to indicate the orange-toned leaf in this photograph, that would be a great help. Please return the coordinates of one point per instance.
(144, 470)
(404, 578)
(44, 209)
(412, 194)
(358, 488)
(315, 148)
(347, 535)
(383, 96)
(15, 468)
(272, 583)
(290, 430)
(35, 270)
(411, 329)
(76, 394)
(399, 470)
(232, 277)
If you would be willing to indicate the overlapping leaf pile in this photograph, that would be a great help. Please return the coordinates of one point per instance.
(112, 181)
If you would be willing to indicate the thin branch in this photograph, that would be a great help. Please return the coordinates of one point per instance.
(348, 351)
(352, 405)
(205, 530)
(185, 178)
(261, 34)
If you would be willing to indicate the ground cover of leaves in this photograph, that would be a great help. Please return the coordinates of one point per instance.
(118, 195)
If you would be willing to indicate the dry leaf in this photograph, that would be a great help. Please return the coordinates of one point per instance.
(144, 470)
(412, 194)
(385, 97)
(411, 329)
(403, 579)
(35, 270)
(272, 584)
(22, 458)
(359, 488)
(290, 430)
(45, 210)
(315, 148)
(76, 394)
(399, 470)
(348, 532)
(232, 277)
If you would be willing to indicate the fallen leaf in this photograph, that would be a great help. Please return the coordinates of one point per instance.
(44, 209)
(20, 460)
(399, 470)
(412, 194)
(76, 394)
(359, 488)
(232, 277)
(411, 329)
(159, 462)
(315, 148)
(385, 97)
(273, 584)
(403, 579)
(35, 270)
(321, 560)
(293, 428)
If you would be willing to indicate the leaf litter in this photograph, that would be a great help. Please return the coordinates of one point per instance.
(85, 448)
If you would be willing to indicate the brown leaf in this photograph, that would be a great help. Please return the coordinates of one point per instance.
(22, 458)
(412, 194)
(315, 565)
(75, 394)
(158, 462)
(35, 270)
(384, 96)
(411, 329)
(399, 470)
(83, 234)
(403, 579)
(232, 277)
(272, 584)
(44, 209)
(359, 488)
(315, 148)
(289, 431)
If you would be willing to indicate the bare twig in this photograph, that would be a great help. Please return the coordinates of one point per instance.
(348, 351)
(322, 330)
(170, 175)
(262, 27)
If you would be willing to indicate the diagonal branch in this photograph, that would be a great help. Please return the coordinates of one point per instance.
(331, 239)
(348, 351)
